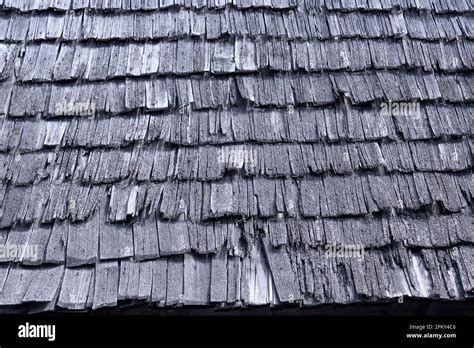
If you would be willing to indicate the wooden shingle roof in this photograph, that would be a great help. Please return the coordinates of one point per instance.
(211, 152)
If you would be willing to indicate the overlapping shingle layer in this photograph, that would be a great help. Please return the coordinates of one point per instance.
(204, 152)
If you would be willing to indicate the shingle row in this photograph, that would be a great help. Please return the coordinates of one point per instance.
(76, 244)
(87, 243)
(142, 5)
(438, 6)
(393, 86)
(382, 274)
(85, 25)
(301, 125)
(326, 196)
(263, 90)
(59, 62)
(211, 163)
(178, 280)
(308, 278)
(371, 232)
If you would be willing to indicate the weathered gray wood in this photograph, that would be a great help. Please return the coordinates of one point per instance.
(57, 243)
(145, 237)
(45, 284)
(145, 286)
(140, 195)
(233, 279)
(219, 285)
(129, 280)
(75, 287)
(282, 272)
(115, 241)
(16, 285)
(197, 279)
(106, 284)
(83, 243)
(159, 269)
(174, 281)
(173, 237)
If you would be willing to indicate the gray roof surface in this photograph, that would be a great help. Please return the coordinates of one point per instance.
(208, 152)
